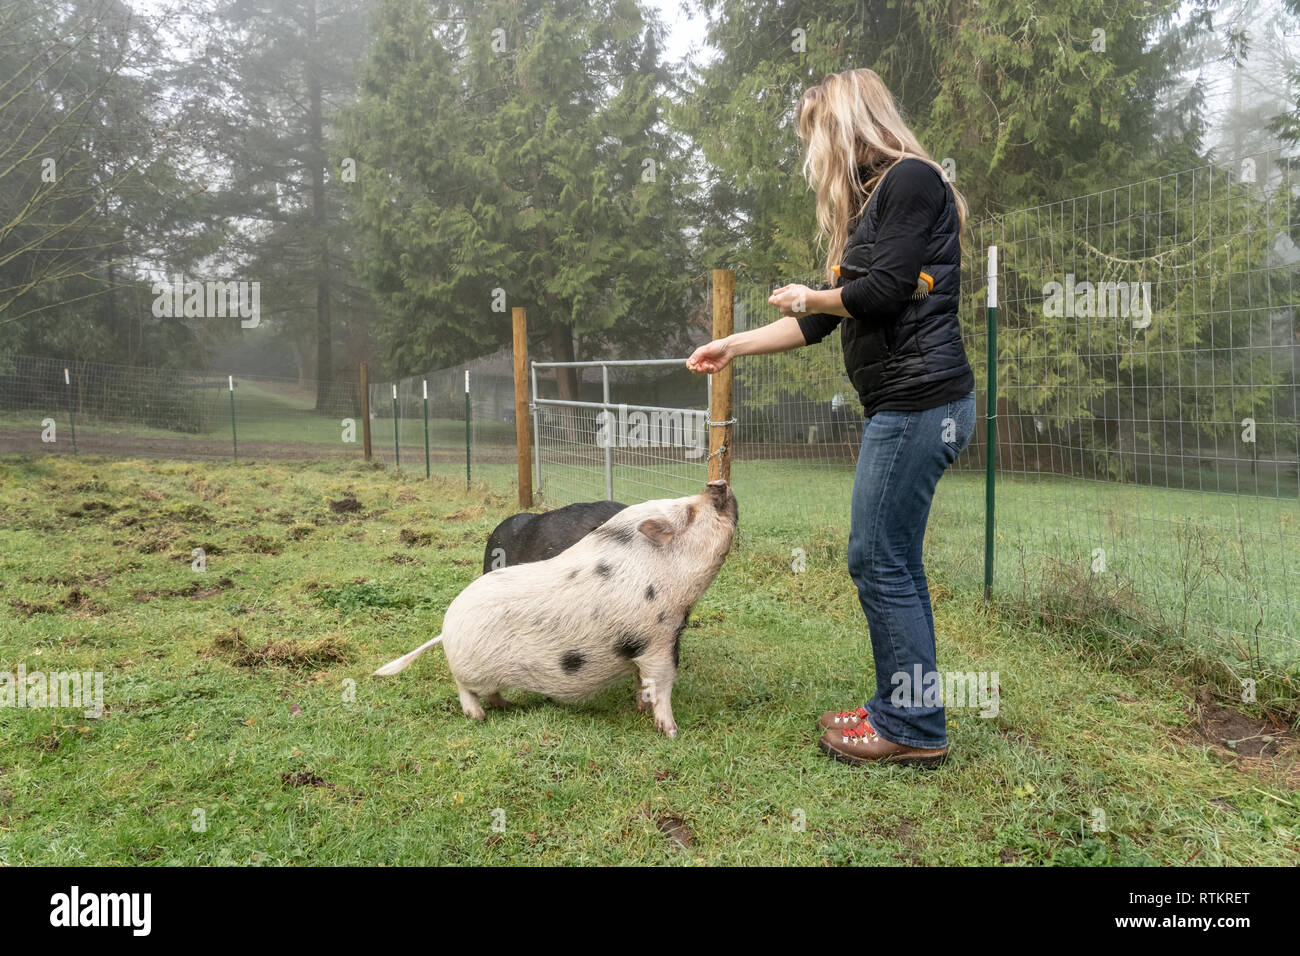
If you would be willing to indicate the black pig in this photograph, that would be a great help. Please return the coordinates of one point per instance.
(528, 537)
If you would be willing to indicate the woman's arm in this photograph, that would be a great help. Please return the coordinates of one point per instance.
(799, 300)
(779, 336)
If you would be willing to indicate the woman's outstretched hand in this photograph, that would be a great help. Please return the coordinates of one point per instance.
(792, 300)
(709, 358)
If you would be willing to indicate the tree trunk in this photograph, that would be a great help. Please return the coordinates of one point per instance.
(566, 379)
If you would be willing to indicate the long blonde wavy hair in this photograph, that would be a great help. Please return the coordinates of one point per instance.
(847, 120)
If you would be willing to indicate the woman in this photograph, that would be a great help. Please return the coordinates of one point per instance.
(888, 215)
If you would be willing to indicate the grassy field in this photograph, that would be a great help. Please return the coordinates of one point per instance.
(241, 725)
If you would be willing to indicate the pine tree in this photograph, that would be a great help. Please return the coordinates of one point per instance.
(512, 154)
(261, 100)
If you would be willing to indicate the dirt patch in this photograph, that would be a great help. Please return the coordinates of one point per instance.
(79, 602)
(86, 509)
(67, 580)
(346, 505)
(675, 828)
(1232, 735)
(465, 514)
(415, 539)
(193, 590)
(32, 608)
(402, 559)
(152, 544)
(322, 652)
(303, 778)
(188, 513)
(260, 544)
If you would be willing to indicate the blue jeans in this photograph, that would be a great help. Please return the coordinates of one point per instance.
(902, 458)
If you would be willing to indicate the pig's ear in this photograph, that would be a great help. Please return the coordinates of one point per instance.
(659, 532)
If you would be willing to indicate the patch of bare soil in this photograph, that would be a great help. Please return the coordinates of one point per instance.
(674, 827)
(260, 544)
(76, 600)
(194, 590)
(1251, 744)
(32, 608)
(79, 602)
(67, 579)
(348, 504)
(232, 646)
(303, 778)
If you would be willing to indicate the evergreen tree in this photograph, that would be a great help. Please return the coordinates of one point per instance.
(513, 154)
(260, 100)
(92, 188)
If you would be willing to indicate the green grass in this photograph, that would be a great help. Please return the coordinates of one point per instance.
(243, 692)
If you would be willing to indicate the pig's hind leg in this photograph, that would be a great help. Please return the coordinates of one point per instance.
(495, 699)
(469, 703)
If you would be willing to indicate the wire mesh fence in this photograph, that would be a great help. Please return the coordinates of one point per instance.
(797, 439)
(445, 423)
(1147, 418)
(49, 406)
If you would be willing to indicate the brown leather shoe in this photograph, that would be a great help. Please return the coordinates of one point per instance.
(862, 744)
(842, 719)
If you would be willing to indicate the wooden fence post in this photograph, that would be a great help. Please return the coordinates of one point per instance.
(365, 411)
(724, 293)
(523, 434)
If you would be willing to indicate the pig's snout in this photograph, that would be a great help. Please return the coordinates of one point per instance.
(719, 492)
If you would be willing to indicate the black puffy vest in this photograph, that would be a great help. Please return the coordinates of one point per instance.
(915, 360)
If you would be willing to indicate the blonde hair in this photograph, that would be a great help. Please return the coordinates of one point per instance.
(851, 119)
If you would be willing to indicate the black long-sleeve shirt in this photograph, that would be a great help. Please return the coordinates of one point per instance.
(911, 196)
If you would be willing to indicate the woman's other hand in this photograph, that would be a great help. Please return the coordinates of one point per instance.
(793, 300)
(710, 357)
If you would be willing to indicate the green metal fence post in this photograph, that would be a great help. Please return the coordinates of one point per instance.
(466, 429)
(72, 409)
(397, 450)
(425, 383)
(990, 417)
(234, 437)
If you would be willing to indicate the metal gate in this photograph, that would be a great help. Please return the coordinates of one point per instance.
(624, 451)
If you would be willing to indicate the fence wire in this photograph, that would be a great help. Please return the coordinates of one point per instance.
(486, 450)
(1147, 425)
(652, 441)
(1147, 421)
(49, 406)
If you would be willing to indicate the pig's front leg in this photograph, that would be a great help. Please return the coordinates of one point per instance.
(657, 675)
